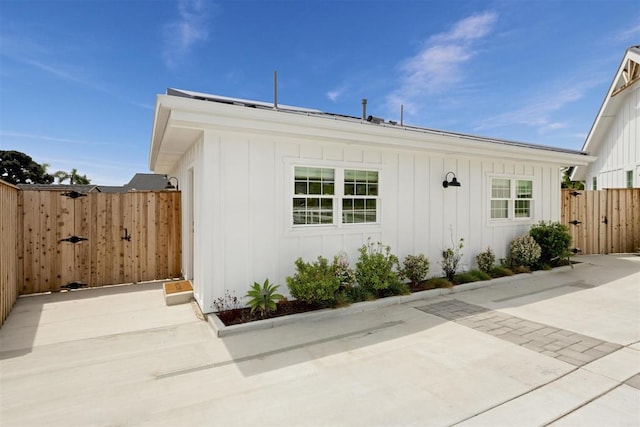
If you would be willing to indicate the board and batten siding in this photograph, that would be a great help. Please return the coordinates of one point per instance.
(242, 203)
(620, 148)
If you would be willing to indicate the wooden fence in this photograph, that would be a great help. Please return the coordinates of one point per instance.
(8, 242)
(96, 239)
(603, 221)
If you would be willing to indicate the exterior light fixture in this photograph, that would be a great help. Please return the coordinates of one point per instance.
(170, 186)
(453, 183)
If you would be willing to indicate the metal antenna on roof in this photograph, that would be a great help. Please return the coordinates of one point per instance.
(275, 89)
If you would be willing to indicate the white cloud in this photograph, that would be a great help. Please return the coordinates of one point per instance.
(471, 28)
(540, 112)
(439, 65)
(333, 95)
(190, 28)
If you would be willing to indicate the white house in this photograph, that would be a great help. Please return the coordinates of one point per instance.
(263, 185)
(615, 135)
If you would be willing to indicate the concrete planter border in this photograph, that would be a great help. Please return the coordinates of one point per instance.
(222, 331)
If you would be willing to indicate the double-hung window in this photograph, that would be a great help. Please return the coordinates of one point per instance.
(314, 190)
(511, 198)
(359, 203)
(335, 196)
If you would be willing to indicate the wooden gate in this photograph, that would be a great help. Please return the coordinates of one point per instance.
(71, 240)
(603, 221)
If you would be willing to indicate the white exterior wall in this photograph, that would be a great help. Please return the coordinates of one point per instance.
(243, 188)
(620, 148)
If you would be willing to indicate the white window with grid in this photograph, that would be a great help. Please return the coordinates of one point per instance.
(511, 198)
(334, 196)
(314, 191)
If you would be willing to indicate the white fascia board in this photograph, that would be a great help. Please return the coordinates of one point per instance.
(241, 119)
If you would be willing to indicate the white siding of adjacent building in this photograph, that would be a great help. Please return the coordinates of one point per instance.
(619, 151)
(243, 195)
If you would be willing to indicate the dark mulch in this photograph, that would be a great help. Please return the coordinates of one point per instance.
(284, 308)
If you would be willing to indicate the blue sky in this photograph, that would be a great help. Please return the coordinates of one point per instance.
(78, 79)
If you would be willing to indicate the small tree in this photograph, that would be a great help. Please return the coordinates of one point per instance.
(19, 168)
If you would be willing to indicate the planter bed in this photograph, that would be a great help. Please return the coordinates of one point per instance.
(311, 313)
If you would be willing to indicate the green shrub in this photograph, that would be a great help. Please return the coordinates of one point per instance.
(376, 270)
(486, 260)
(315, 282)
(524, 251)
(263, 298)
(415, 268)
(554, 240)
(471, 276)
(450, 259)
(343, 272)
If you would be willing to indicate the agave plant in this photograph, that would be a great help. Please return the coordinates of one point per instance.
(263, 297)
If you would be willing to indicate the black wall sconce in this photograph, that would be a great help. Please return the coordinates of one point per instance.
(170, 186)
(453, 183)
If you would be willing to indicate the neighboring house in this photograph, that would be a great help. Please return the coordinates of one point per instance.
(139, 182)
(615, 135)
(88, 188)
(264, 185)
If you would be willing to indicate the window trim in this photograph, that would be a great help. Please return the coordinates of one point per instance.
(338, 196)
(511, 207)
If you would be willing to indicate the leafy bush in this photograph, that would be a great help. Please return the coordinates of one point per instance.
(376, 271)
(343, 272)
(486, 260)
(416, 268)
(524, 251)
(471, 276)
(315, 282)
(554, 240)
(263, 298)
(450, 259)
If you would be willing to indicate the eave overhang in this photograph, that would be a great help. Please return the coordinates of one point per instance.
(178, 122)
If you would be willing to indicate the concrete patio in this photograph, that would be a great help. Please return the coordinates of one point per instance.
(550, 348)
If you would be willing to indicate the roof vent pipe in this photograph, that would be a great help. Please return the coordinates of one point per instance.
(402, 115)
(275, 89)
(364, 108)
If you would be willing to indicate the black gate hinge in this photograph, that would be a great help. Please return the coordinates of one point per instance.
(575, 193)
(73, 285)
(575, 222)
(576, 250)
(73, 239)
(73, 194)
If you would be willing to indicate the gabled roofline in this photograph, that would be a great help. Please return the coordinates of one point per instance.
(608, 108)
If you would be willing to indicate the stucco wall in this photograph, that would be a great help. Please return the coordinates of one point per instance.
(242, 201)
